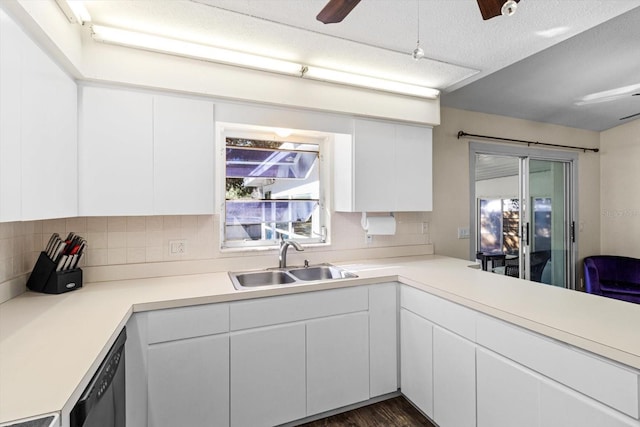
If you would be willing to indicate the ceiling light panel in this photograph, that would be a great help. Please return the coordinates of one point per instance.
(199, 51)
(191, 50)
(334, 76)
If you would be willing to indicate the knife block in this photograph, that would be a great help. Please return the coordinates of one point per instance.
(44, 277)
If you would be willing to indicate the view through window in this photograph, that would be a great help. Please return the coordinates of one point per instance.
(272, 190)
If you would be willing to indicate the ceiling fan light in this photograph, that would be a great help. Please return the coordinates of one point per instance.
(417, 53)
(509, 7)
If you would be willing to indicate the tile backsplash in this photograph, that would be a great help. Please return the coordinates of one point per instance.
(146, 239)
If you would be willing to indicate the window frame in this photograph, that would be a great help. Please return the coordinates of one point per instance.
(322, 140)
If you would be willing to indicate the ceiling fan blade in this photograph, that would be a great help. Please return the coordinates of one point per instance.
(491, 8)
(336, 10)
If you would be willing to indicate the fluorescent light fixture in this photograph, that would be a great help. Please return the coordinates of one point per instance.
(215, 54)
(192, 50)
(75, 11)
(608, 95)
(334, 76)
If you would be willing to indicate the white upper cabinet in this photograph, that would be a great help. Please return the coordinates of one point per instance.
(11, 40)
(386, 167)
(38, 131)
(183, 135)
(49, 139)
(116, 152)
(145, 154)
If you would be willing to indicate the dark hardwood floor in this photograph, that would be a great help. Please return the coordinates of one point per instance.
(396, 412)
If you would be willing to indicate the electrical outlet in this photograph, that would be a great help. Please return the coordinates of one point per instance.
(425, 227)
(368, 239)
(177, 247)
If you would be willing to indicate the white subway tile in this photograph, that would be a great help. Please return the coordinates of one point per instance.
(117, 256)
(97, 239)
(154, 254)
(136, 223)
(154, 223)
(136, 255)
(116, 223)
(97, 224)
(136, 239)
(116, 239)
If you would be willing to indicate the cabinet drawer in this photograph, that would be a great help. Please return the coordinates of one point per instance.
(609, 383)
(187, 322)
(293, 308)
(451, 316)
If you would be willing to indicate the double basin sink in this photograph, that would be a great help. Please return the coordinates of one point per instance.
(288, 276)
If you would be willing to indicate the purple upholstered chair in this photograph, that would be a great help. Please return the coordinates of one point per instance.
(613, 276)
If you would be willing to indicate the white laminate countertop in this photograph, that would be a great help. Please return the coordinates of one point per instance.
(50, 345)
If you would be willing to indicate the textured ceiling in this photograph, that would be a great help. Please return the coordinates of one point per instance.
(377, 37)
(550, 86)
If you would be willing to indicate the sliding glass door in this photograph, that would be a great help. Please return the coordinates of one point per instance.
(523, 213)
(546, 221)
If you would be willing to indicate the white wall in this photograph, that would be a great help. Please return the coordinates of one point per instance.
(620, 190)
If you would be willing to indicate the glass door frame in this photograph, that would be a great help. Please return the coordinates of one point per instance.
(571, 182)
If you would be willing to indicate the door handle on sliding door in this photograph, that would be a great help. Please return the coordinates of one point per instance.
(525, 234)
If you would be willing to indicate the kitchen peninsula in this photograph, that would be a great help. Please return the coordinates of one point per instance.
(497, 318)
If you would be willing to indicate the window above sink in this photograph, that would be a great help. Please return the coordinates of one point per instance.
(274, 187)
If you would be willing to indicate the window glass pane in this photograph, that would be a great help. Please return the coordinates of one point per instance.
(272, 190)
(258, 212)
(252, 162)
(490, 226)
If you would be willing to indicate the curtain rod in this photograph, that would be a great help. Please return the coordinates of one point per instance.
(529, 143)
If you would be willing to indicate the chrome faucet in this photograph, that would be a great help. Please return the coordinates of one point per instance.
(282, 253)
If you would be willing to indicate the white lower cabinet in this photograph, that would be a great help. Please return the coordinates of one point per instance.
(512, 395)
(188, 382)
(454, 380)
(562, 407)
(268, 383)
(416, 360)
(337, 362)
(507, 393)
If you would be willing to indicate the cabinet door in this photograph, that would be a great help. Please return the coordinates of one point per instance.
(337, 362)
(383, 339)
(268, 376)
(116, 153)
(413, 168)
(416, 361)
(507, 393)
(49, 146)
(189, 382)
(11, 41)
(183, 141)
(454, 380)
(562, 407)
(375, 154)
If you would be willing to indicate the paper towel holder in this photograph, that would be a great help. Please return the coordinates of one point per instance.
(364, 222)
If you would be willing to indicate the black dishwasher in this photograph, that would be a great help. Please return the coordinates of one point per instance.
(103, 402)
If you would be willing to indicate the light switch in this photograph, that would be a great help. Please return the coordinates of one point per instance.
(463, 233)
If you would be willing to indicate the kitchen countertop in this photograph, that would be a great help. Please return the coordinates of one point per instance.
(50, 345)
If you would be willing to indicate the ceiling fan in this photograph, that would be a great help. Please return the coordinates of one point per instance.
(336, 10)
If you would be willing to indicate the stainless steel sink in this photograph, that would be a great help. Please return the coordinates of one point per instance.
(321, 272)
(263, 278)
(288, 276)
